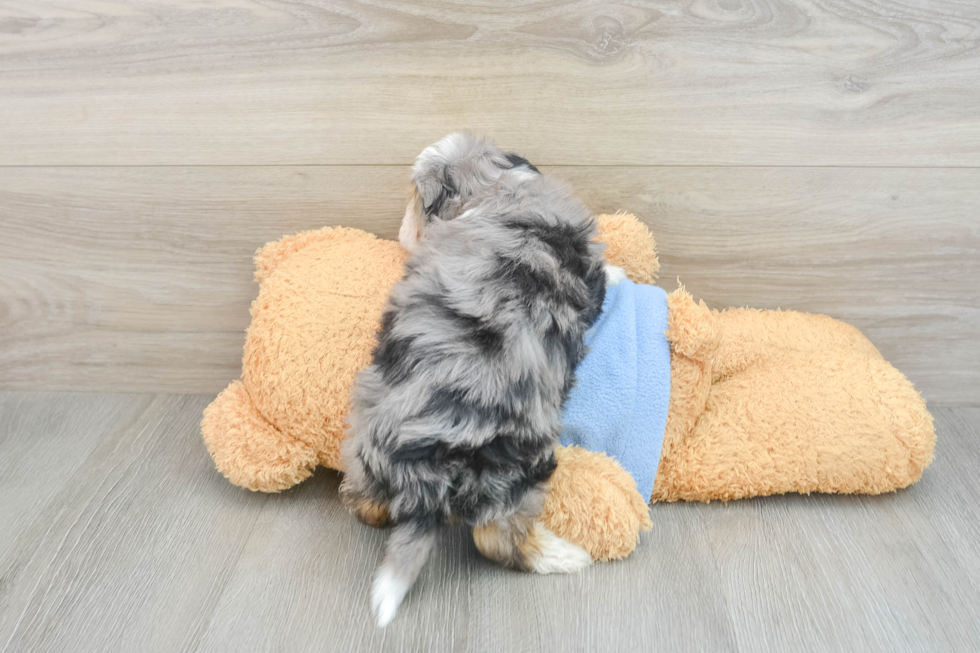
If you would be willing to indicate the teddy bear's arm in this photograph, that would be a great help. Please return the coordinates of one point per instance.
(593, 502)
(629, 245)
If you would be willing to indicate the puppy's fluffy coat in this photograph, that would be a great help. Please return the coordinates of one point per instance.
(459, 413)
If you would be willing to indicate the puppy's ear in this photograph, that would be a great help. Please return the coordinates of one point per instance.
(446, 174)
(434, 185)
(413, 224)
(516, 160)
(431, 187)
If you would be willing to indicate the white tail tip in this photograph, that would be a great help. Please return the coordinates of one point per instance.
(387, 593)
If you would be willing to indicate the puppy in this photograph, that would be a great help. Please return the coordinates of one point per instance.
(458, 416)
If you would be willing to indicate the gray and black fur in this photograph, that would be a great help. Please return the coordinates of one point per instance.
(459, 413)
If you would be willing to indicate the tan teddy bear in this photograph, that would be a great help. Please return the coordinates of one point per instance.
(761, 402)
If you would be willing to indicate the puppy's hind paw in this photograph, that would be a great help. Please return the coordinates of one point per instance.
(370, 513)
(553, 555)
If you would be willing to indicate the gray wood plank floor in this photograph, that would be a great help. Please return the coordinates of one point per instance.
(116, 534)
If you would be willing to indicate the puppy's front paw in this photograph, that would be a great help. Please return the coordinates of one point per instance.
(614, 275)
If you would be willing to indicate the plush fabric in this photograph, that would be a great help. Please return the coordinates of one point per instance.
(760, 402)
(619, 403)
(769, 402)
(593, 502)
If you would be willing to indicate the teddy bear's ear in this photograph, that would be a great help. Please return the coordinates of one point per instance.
(629, 245)
(269, 256)
(248, 449)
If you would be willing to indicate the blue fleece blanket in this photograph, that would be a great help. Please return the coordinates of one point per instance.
(619, 403)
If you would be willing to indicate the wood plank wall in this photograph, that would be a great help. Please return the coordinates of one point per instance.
(821, 156)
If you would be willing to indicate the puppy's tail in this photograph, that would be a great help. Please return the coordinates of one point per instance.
(408, 549)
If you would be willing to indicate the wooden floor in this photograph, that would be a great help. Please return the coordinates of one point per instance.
(118, 535)
(819, 155)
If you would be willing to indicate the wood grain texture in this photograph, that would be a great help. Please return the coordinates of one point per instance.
(43, 440)
(134, 542)
(130, 552)
(896, 253)
(700, 82)
(139, 279)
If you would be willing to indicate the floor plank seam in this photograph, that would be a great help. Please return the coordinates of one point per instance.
(231, 572)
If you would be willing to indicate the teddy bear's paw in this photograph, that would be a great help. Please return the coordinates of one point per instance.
(593, 503)
(248, 450)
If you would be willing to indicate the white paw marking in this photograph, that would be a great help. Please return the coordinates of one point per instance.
(387, 593)
(614, 275)
(559, 556)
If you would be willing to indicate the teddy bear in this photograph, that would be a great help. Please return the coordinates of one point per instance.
(757, 402)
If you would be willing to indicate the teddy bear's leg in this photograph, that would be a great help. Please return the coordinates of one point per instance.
(749, 335)
(822, 421)
(692, 329)
(248, 450)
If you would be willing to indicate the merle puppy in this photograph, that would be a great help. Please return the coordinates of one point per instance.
(459, 414)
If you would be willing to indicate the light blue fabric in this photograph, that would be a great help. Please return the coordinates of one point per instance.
(619, 403)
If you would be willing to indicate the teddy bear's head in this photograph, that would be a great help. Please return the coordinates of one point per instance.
(321, 294)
